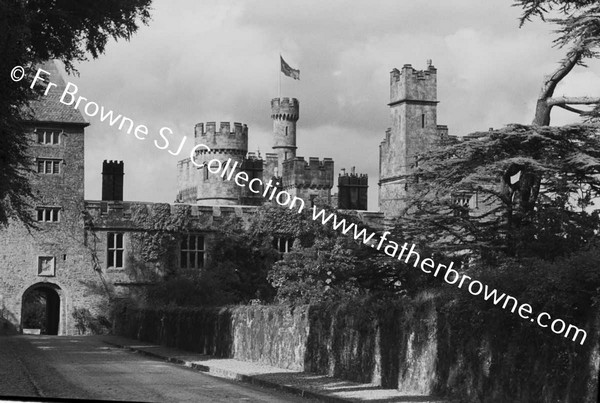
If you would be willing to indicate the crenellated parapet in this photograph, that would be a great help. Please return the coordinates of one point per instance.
(409, 84)
(352, 179)
(119, 215)
(386, 140)
(223, 137)
(285, 109)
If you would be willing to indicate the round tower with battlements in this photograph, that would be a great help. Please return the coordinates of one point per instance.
(285, 113)
(226, 143)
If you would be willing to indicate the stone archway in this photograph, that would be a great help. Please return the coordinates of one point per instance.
(41, 308)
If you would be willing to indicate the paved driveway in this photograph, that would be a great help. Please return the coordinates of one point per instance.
(85, 368)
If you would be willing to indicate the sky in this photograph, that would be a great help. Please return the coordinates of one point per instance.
(200, 61)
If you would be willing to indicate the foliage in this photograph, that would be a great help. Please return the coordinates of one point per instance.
(547, 220)
(86, 323)
(242, 257)
(331, 266)
(539, 8)
(34, 311)
(567, 288)
(35, 31)
(205, 288)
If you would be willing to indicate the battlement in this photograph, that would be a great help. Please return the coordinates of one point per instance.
(314, 174)
(133, 215)
(352, 179)
(386, 140)
(210, 128)
(112, 167)
(314, 163)
(252, 163)
(285, 108)
(222, 137)
(411, 73)
(409, 84)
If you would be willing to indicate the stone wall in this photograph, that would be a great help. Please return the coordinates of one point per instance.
(273, 335)
(408, 345)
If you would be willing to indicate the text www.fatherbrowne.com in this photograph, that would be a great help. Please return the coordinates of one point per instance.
(450, 275)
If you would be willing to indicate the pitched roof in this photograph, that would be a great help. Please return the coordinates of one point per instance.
(48, 108)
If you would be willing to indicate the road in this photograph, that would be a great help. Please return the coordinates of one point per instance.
(80, 367)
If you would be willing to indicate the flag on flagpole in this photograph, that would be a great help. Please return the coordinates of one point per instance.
(288, 71)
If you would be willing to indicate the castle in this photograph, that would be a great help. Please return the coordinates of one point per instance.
(84, 253)
(310, 180)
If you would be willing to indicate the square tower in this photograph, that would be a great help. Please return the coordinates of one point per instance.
(414, 129)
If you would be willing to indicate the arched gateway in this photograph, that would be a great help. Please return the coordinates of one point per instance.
(41, 309)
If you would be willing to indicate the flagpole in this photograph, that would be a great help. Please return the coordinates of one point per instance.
(280, 76)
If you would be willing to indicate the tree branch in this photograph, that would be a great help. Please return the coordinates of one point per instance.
(560, 101)
(566, 65)
(568, 108)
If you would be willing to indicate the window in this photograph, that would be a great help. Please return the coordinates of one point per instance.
(46, 266)
(283, 244)
(47, 136)
(48, 166)
(286, 130)
(423, 120)
(192, 252)
(463, 200)
(115, 250)
(48, 214)
(205, 173)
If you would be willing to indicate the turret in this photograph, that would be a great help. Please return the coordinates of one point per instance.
(225, 137)
(285, 114)
(226, 141)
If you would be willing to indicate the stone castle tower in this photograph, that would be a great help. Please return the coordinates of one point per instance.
(414, 128)
(198, 185)
(310, 181)
(285, 113)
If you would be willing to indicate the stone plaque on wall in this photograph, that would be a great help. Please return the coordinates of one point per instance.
(46, 266)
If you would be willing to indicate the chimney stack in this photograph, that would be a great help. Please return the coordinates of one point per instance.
(112, 180)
